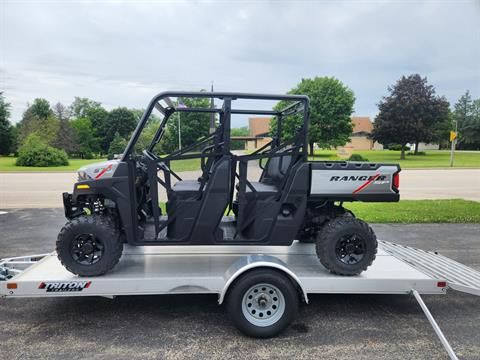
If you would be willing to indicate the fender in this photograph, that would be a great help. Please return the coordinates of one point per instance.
(258, 261)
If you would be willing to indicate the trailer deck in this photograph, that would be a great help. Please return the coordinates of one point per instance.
(158, 270)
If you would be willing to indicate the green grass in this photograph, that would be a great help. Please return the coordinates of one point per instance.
(452, 211)
(432, 159)
(185, 165)
(418, 211)
(7, 164)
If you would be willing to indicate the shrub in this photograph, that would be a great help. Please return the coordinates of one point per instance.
(418, 153)
(395, 147)
(357, 157)
(35, 152)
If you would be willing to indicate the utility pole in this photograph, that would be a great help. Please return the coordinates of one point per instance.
(179, 133)
(212, 115)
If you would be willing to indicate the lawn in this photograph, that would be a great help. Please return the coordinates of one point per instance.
(432, 159)
(7, 164)
(418, 211)
(454, 211)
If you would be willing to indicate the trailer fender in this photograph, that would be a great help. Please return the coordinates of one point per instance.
(250, 262)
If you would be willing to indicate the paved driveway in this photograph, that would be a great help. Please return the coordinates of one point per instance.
(195, 327)
(43, 190)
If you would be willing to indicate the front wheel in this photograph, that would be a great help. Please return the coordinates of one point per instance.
(89, 245)
(262, 303)
(346, 246)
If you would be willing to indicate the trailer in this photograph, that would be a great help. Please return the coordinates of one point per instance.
(258, 284)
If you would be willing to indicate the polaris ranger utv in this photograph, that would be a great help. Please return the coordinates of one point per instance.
(117, 202)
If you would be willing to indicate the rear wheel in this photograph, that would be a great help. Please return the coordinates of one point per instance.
(262, 303)
(346, 246)
(89, 245)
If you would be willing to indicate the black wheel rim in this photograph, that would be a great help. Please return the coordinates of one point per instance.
(350, 249)
(87, 249)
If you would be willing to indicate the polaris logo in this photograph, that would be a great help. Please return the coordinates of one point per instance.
(64, 286)
(358, 178)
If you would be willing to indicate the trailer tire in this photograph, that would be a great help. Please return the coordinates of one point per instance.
(262, 303)
(346, 246)
(89, 245)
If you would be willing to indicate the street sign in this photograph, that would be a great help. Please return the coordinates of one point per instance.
(453, 135)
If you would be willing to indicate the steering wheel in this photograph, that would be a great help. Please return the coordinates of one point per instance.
(151, 156)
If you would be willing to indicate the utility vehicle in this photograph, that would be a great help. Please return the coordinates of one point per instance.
(117, 202)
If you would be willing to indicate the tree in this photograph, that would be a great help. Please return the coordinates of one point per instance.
(473, 128)
(117, 146)
(6, 133)
(331, 105)
(239, 144)
(61, 112)
(39, 118)
(65, 138)
(119, 120)
(84, 137)
(41, 109)
(193, 125)
(467, 116)
(410, 114)
(81, 107)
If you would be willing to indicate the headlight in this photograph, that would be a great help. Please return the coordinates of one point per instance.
(82, 175)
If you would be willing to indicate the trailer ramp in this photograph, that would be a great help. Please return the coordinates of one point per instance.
(458, 276)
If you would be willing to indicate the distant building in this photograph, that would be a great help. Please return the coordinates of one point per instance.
(259, 128)
(360, 139)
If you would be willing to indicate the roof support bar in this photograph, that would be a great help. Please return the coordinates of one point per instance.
(168, 101)
(435, 326)
(160, 108)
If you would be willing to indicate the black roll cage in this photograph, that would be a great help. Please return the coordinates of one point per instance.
(301, 104)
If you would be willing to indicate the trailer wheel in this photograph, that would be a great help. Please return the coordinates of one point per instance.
(89, 245)
(262, 303)
(346, 246)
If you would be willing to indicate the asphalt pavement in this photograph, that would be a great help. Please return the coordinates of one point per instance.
(195, 327)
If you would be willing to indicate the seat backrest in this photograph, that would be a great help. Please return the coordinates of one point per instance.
(217, 154)
(276, 169)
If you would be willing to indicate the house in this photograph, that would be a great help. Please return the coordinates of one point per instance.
(259, 128)
(362, 128)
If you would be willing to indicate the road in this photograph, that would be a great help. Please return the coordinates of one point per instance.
(195, 327)
(43, 190)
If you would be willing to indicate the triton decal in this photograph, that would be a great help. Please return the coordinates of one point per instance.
(64, 286)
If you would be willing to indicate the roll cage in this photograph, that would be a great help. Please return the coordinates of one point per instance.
(205, 200)
(164, 104)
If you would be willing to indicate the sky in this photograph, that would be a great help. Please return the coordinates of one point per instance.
(122, 53)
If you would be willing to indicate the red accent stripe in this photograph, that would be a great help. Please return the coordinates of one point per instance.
(88, 285)
(42, 285)
(100, 174)
(363, 186)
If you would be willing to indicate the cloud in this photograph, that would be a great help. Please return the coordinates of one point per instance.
(122, 53)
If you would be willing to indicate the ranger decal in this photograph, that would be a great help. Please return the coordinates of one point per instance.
(358, 178)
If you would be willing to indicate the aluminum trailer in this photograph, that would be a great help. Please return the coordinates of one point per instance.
(218, 270)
